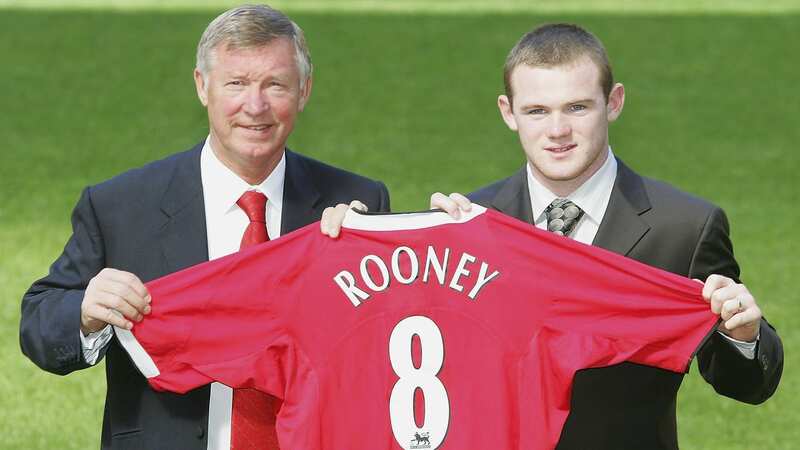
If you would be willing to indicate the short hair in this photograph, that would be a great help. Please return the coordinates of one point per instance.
(252, 26)
(558, 44)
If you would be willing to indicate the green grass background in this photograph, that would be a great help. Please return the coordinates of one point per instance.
(407, 97)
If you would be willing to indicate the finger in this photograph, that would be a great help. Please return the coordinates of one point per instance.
(107, 315)
(128, 293)
(463, 202)
(113, 301)
(357, 205)
(748, 317)
(111, 288)
(721, 295)
(730, 308)
(324, 223)
(336, 219)
(445, 203)
(714, 282)
(127, 278)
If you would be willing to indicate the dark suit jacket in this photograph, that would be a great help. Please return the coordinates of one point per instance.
(151, 221)
(630, 406)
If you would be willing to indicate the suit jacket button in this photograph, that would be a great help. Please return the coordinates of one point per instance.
(200, 432)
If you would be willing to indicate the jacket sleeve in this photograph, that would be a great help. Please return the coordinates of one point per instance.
(383, 198)
(51, 308)
(721, 364)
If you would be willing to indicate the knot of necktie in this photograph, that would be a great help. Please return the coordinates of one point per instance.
(254, 204)
(562, 216)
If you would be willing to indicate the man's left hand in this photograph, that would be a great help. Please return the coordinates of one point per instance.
(333, 217)
(741, 316)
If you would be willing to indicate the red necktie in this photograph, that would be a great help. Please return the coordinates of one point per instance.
(253, 417)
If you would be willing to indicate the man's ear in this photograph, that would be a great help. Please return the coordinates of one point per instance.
(507, 112)
(200, 86)
(305, 92)
(616, 100)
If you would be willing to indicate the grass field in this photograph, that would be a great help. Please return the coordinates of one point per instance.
(408, 98)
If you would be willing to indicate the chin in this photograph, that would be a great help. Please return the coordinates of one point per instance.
(561, 173)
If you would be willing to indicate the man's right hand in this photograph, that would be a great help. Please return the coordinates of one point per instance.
(452, 204)
(113, 297)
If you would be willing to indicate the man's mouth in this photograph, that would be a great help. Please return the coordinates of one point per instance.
(259, 127)
(560, 148)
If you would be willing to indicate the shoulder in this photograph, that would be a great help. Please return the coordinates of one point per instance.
(486, 194)
(148, 182)
(679, 204)
(307, 178)
(310, 178)
(325, 174)
(508, 187)
(688, 219)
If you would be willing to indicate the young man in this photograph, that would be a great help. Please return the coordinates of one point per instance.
(560, 99)
(238, 187)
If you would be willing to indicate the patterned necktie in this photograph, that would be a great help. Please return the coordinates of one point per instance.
(562, 216)
(253, 415)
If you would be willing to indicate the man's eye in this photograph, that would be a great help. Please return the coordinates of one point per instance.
(576, 108)
(536, 111)
(234, 83)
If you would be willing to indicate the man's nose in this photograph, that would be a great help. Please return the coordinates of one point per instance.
(559, 127)
(256, 101)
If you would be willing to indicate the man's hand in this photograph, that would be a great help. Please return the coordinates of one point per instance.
(332, 217)
(452, 204)
(113, 297)
(740, 314)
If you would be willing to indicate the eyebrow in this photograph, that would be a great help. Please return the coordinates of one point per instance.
(232, 74)
(571, 102)
(532, 106)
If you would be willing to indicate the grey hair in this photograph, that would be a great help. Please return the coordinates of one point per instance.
(252, 26)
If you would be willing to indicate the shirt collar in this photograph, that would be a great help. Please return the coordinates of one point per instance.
(592, 196)
(222, 187)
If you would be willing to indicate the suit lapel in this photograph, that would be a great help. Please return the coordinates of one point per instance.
(622, 226)
(183, 233)
(301, 198)
(514, 198)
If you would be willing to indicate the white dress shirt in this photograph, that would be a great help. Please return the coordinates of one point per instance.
(225, 226)
(593, 197)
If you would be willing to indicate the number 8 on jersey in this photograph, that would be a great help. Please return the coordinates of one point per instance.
(401, 401)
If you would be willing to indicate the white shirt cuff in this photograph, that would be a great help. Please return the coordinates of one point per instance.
(94, 342)
(748, 349)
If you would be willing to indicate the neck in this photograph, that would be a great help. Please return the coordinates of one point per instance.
(252, 170)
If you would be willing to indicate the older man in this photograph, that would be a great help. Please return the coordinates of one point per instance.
(238, 187)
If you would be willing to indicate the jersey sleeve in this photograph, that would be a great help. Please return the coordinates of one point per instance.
(615, 308)
(223, 321)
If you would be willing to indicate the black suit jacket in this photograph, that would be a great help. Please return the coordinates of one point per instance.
(151, 222)
(629, 406)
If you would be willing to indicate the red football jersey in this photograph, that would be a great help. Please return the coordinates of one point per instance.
(413, 331)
